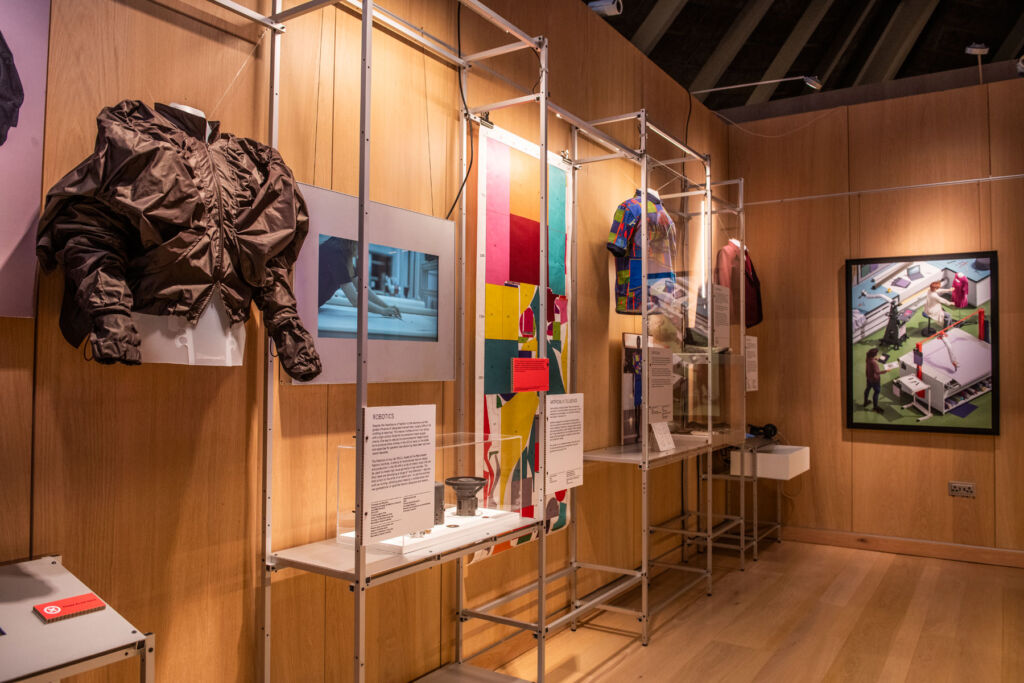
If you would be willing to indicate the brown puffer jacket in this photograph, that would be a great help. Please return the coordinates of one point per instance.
(12, 95)
(158, 221)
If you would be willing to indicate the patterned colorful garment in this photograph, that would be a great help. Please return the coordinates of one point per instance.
(624, 244)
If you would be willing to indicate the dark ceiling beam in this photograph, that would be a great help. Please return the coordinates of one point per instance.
(789, 51)
(750, 16)
(1013, 43)
(894, 45)
(656, 23)
(835, 54)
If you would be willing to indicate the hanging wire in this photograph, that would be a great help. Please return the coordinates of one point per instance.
(780, 135)
(426, 118)
(238, 73)
(465, 108)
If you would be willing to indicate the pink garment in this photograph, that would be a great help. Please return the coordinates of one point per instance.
(959, 293)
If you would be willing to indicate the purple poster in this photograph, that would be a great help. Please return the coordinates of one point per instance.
(24, 35)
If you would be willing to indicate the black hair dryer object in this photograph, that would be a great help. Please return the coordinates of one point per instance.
(768, 431)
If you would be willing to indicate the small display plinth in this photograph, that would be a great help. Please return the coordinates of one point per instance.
(455, 531)
(773, 462)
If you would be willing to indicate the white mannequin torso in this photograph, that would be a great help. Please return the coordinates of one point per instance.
(213, 340)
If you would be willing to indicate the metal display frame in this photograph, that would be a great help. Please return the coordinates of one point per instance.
(746, 538)
(709, 526)
(358, 576)
(750, 536)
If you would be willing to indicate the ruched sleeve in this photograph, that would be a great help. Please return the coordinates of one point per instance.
(275, 298)
(81, 233)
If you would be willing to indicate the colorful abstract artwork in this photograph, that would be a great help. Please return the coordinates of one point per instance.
(508, 308)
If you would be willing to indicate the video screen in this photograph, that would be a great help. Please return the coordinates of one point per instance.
(403, 296)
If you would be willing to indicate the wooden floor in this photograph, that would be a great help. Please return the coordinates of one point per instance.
(814, 613)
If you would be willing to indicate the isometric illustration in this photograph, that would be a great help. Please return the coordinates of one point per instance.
(922, 351)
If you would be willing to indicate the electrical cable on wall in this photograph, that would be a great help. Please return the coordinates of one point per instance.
(780, 135)
(465, 109)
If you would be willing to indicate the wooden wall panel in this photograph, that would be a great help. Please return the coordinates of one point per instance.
(799, 359)
(791, 156)
(895, 483)
(934, 220)
(899, 486)
(923, 221)
(920, 139)
(1007, 210)
(1005, 102)
(16, 360)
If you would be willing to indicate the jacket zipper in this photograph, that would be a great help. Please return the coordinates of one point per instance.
(220, 210)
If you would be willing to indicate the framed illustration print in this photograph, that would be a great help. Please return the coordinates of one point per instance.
(922, 351)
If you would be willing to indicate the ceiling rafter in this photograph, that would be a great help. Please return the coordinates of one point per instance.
(789, 51)
(894, 45)
(834, 56)
(1013, 43)
(730, 45)
(656, 23)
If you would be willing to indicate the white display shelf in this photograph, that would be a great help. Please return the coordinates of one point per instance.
(32, 648)
(331, 558)
(465, 673)
(686, 446)
(774, 461)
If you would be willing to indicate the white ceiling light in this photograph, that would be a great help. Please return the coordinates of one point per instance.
(606, 8)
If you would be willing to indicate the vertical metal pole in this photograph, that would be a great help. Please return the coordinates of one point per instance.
(458, 610)
(743, 497)
(757, 530)
(460, 310)
(573, 365)
(359, 588)
(266, 518)
(542, 337)
(147, 663)
(778, 511)
(742, 280)
(709, 483)
(684, 465)
(645, 384)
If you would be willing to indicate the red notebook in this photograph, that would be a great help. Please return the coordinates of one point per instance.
(69, 607)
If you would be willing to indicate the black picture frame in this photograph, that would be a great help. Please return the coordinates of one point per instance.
(887, 301)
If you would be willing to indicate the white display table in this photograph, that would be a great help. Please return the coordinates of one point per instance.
(32, 650)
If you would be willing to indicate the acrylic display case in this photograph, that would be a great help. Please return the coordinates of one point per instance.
(687, 374)
(476, 520)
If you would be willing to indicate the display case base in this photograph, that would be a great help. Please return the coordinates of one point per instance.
(456, 530)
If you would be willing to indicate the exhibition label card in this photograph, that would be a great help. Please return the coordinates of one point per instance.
(563, 441)
(662, 436)
(721, 333)
(398, 477)
(661, 384)
(751, 363)
(529, 374)
(65, 608)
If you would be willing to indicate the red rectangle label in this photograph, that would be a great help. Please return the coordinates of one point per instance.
(530, 374)
(69, 607)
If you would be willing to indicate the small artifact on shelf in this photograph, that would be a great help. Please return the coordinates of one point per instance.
(465, 489)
